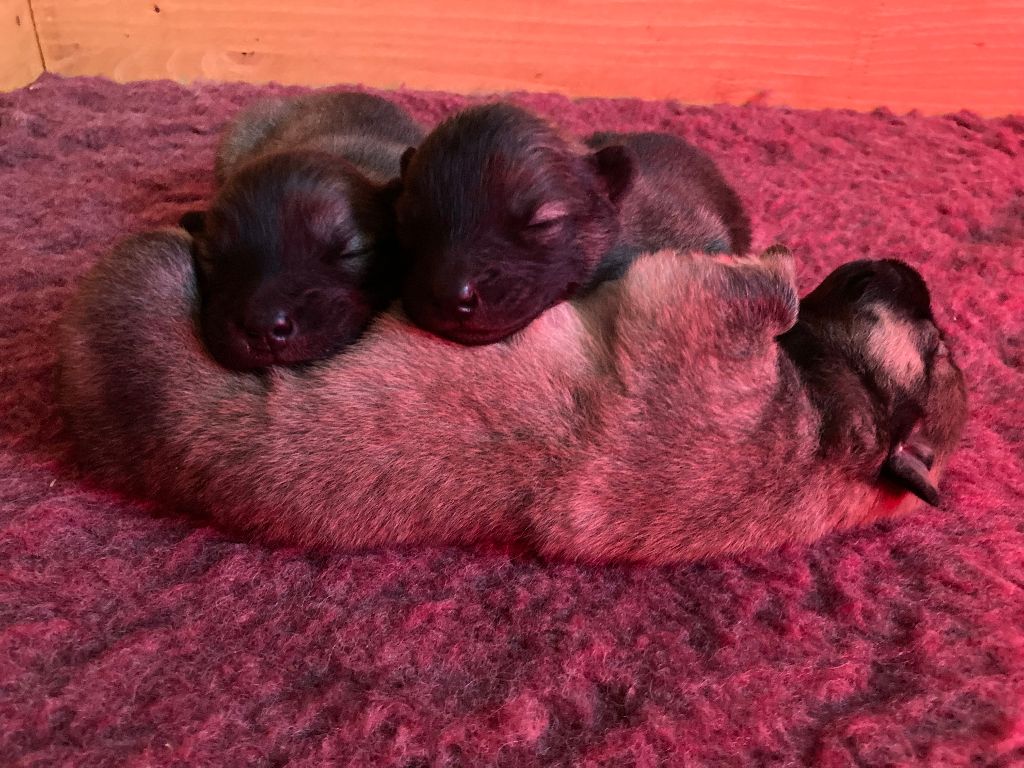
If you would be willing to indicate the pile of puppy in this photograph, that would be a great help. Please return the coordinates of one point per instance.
(495, 332)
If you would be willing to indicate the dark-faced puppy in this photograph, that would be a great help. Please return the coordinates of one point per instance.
(296, 253)
(500, 217)
(677, 200)
(871, 357)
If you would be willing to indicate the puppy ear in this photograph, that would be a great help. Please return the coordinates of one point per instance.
(193, 222)
(615, 165)
(406, 159)
(907, 466)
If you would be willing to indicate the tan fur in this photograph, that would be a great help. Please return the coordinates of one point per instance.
(890, 346)
(655, 420)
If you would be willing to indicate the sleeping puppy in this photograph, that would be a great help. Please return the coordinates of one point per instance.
(658, 419)
(677, 200)
(501, 216)
(737, 428)
(296, 252)
(875, 317)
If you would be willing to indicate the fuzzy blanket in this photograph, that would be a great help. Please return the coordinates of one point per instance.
(135, 637)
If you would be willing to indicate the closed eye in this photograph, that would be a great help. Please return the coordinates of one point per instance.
(543, 230)
(544, 225)
(340, 255)
(548, 216)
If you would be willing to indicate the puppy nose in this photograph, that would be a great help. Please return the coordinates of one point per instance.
(282, 328)
(468, 299)
(276, 327)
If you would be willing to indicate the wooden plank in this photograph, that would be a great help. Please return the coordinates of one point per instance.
(932, 55)
(20, 62)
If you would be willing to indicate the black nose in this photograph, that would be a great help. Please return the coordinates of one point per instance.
(276, 327)
(468, 299)
(282, 328)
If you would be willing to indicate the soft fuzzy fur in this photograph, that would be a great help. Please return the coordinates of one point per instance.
(657, 420)
(135, 639)
(296, 253)
(502, 215)
(676, 199)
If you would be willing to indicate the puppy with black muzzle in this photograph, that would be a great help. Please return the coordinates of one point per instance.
(501, 216)
(867, 349)
(682, 412)
(296, 253)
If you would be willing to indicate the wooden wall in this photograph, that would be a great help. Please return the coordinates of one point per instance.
(20, 61)
(932, 55)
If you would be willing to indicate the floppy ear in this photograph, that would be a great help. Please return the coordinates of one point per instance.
(193, 222)
(406, 158)
(907, 466)
(615, 166)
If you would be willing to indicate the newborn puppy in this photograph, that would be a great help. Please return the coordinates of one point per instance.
(677, 200)
(658, 419)
(296, 252)
(729, 434)
(502, 217)
(867, 348)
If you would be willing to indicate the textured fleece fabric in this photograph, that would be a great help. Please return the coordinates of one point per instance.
(132, 636)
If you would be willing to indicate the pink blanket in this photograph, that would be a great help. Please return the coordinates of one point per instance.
(131, 636)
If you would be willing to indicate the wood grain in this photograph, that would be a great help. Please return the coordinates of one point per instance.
(20, 62)
(932, 55)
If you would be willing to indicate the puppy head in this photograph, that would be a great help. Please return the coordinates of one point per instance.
(291, 260)
(500, 218)
(882, 355)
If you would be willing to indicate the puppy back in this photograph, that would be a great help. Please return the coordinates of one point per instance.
(680, 198)
(339, 122)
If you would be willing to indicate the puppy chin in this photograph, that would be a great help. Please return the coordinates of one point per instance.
(472, 332)
(476, 337)
(238, 353)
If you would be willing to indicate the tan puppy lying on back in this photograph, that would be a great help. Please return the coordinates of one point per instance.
(658, 420)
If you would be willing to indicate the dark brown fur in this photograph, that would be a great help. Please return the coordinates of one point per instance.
(296, 253)
(501, 216)
(658, 419)
(677, 200)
